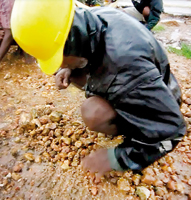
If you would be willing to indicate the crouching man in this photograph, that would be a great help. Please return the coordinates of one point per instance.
(125, 72)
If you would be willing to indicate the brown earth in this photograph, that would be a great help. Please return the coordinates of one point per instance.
(43, 138)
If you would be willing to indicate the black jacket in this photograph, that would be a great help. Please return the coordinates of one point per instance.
(130, 69)
(156, 7)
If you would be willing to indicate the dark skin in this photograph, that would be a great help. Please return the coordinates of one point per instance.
(73, 70)
(6, 43)
(97, 113)
(146, 12)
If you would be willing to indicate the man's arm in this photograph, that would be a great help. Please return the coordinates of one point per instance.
(6, 42)
(66, 76)
(156, 8)
(78, 77)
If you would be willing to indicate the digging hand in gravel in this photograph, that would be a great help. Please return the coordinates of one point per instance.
(63, 78)
(97, 162)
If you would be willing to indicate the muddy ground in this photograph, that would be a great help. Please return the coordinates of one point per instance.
(43, 138)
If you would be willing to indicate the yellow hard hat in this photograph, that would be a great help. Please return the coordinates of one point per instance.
(41, 27)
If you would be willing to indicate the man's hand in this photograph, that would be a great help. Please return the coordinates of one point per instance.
(63, 78)
(97, 162)
(1, 34)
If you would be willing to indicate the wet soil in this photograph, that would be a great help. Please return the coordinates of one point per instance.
(177, 30)
(43, 138)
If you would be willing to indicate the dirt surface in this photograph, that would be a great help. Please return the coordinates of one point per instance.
(43, 138)
(177, 30)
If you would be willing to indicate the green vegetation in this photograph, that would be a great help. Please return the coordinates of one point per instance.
(158, 28)
(184, 51)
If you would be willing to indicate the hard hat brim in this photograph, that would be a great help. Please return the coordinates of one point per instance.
(52, 65)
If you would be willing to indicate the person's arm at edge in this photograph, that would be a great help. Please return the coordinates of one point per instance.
(155, 12)
(6, 42)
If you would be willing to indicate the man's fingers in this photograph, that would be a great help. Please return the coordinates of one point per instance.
(89, 165)
(62, 78)
(98, 177)
(60, 83)
(97, 163)
(92, 171)
(66, 82)
(85, 163)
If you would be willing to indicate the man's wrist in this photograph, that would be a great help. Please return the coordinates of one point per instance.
(114, 164)
(58, 70)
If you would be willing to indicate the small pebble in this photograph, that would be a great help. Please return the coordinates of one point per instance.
(94, 190)
(29, 156)
(143, 192)
(17, 140)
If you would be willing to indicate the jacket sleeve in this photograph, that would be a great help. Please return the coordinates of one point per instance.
(156, 10)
